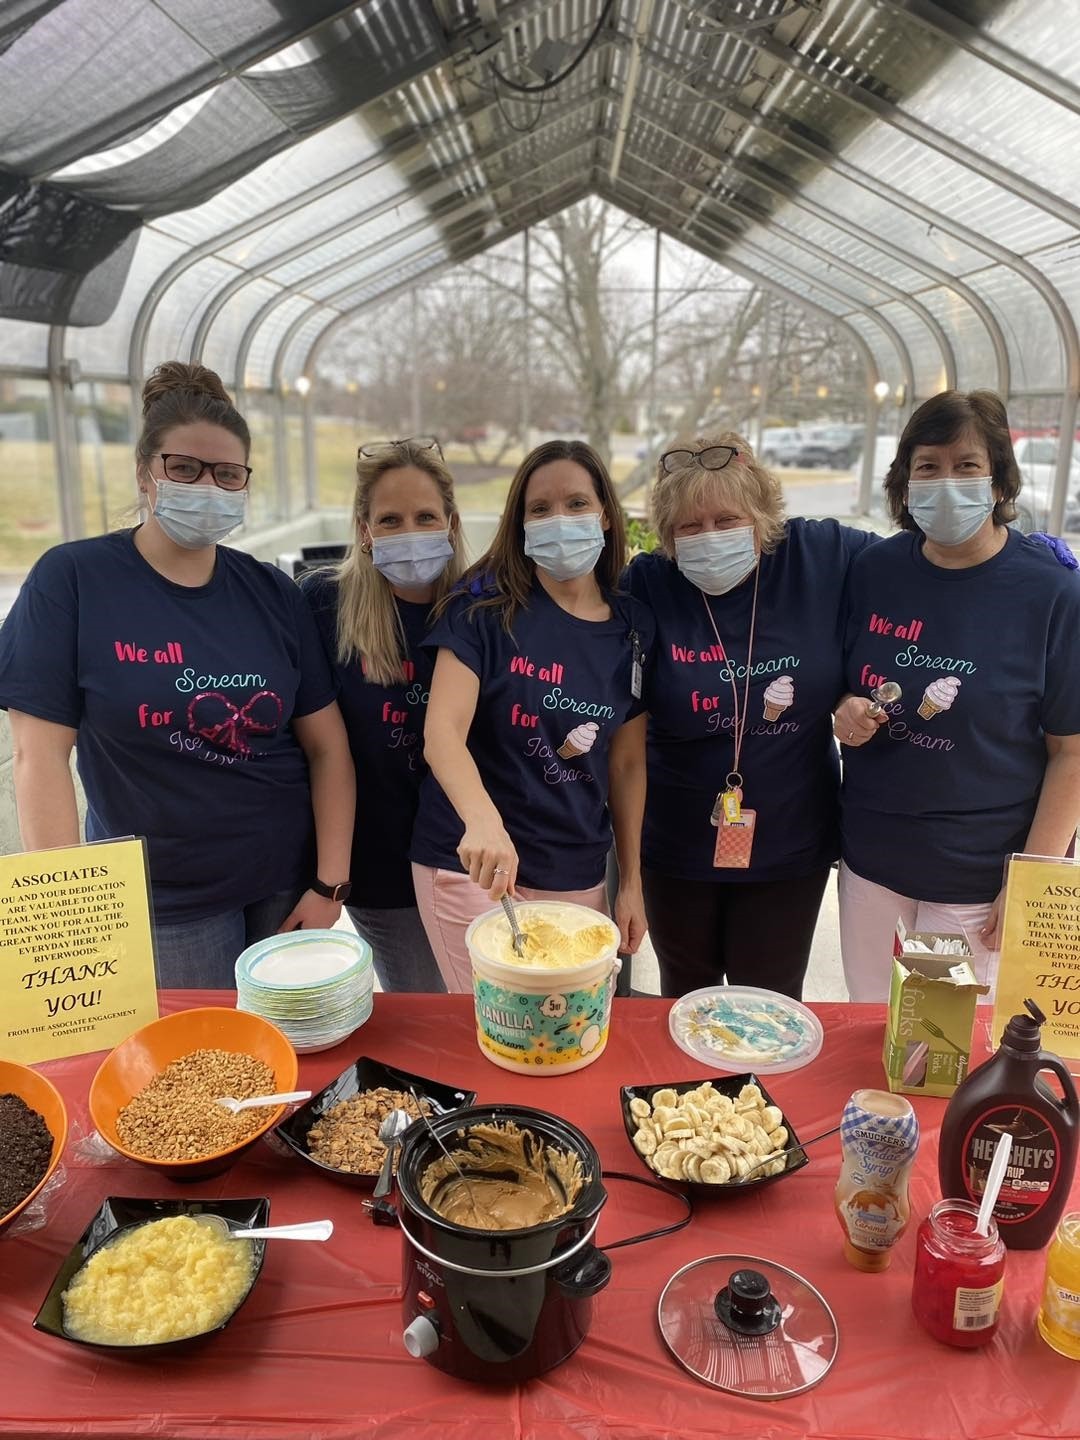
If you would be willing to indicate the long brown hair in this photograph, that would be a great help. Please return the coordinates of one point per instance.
(369, 625)
(505, 572)
(943, 419)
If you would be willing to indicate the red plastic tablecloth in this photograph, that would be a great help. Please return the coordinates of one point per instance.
(317, 1350)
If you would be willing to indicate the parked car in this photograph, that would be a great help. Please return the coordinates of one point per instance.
(1036, 456)
(781, 446)
(469, 434)
(829, 447)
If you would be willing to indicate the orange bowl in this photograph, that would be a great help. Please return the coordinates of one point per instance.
(41, 1095)
(135, 1062)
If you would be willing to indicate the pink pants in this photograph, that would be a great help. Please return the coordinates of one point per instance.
(449, 902)
(868, 916)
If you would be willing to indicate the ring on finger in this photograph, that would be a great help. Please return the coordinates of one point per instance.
(851, 736)
(501, 870)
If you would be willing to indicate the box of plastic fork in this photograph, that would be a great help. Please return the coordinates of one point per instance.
(932, 1003)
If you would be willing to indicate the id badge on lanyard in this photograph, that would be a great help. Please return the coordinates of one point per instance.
(734, 823)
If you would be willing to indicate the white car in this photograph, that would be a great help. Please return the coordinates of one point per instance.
(1036, 456)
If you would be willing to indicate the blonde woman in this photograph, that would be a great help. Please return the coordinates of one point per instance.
(741, 823)
(374, 613)
(530, 732)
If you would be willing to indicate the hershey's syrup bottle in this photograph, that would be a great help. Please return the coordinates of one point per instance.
(1006, 1094)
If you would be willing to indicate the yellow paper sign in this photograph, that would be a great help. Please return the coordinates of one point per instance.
(76, 950)
(1040, 950)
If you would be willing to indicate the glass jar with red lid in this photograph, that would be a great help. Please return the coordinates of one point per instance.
(958, 1275)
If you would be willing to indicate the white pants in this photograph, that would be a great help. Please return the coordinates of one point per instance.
(868, 916)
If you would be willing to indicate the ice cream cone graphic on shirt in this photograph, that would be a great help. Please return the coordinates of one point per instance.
(939, 695)
(778, 696)
(579, 741)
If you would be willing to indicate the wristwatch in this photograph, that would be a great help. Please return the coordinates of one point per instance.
(339, 893)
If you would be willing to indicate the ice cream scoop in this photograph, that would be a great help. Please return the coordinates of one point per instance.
(885, 694)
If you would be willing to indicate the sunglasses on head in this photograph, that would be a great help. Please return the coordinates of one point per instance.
(713, 457)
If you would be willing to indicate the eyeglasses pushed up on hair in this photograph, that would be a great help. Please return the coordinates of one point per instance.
(713, 457)
(379, 448)
(186, 469)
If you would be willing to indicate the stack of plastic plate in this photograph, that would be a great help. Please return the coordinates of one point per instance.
(314, 985)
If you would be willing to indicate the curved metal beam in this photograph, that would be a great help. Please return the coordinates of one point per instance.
(424, 194)
(342, 296)
(892, 334)
(866, 480)
(793, 238)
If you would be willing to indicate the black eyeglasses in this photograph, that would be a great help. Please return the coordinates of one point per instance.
(713, 457)
(187, 469)
(378, 448)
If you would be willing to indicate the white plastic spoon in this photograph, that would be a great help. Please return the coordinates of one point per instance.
(231, 1103)
(305, 1230)
(993, 1183)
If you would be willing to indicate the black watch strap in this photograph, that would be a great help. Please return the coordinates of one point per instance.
(340, 893)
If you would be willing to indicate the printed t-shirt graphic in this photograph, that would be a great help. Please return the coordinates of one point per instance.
(551, 698)
(385, 724)
(987, 659)
(788, 757)
(182, 698)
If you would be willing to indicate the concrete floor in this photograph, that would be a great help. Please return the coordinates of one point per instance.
(824, 978)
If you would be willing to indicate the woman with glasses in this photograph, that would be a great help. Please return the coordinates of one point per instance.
(534, 705)
(374, 613)
(191, 679)
(741, 821)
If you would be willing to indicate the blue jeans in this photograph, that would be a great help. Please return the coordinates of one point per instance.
(201, 954)
(399, 946)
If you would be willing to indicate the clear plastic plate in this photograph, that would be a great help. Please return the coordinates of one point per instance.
(737, 1027)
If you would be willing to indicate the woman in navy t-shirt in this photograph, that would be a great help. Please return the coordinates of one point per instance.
(531, 727)
(374, 615)
(741, 824)
(979, 758)
(191, 680)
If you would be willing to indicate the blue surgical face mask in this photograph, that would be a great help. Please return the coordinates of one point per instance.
(717, 560)
(950, 511)
(565, 546)
(194, 516)
(414, 560)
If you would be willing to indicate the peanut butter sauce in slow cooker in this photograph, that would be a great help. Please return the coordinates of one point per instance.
(511, 1180)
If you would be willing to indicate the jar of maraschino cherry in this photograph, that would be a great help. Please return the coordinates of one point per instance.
(959, 1275)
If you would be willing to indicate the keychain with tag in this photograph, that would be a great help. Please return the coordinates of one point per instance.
(635, 666)
(734, 825)
(728, 805)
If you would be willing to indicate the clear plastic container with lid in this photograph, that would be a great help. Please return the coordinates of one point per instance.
(1059, 1313)
(959, 1276)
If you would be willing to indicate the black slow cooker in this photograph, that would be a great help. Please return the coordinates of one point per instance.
(501, 1305)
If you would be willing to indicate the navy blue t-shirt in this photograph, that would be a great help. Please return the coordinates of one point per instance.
(182, 698)
(551, 697)
(988, 658)
(789, 764)
(386, 737)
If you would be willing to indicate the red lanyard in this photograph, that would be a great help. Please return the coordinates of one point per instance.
(734, 780)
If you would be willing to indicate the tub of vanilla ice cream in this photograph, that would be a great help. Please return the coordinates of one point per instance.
(546, 1011)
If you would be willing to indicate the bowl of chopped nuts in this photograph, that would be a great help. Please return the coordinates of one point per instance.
(33, 1129)
(337, 1130)
(711, 1136)
(155, 1097)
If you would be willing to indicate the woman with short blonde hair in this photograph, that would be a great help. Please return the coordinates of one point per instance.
(374, 612)
(741, 823)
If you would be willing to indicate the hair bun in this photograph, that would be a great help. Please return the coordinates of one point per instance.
(175, 375)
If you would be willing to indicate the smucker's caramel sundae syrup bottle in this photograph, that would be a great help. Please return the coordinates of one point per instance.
(1006, 1094)
(879, 1133)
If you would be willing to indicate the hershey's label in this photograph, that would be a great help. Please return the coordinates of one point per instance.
(1034, 1163)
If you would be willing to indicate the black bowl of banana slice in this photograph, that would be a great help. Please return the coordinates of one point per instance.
(711, 1136)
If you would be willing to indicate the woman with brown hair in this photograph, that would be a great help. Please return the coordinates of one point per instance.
(534, 705)
(741, 821)
(980, 757)
(374, 613)
(191, 680)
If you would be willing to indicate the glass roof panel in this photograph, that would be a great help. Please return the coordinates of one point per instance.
(1030, 333)
(379, 232)
(883, 351)
(1033, 28)
(975, 365)
(294, 361)
(926, 359)
(175, 320)
(259, 369)
(103, 349)
(226, 332)
(23, 345)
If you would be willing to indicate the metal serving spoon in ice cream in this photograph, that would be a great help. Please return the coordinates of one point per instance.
(515, 929)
